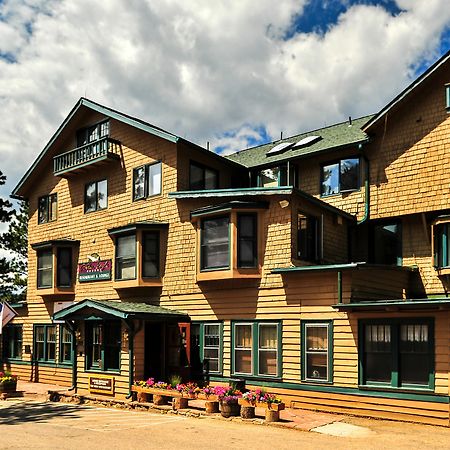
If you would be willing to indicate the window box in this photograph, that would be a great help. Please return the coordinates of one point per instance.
(56, 267)
(317, 351)
(397, 353)
(256, 349)
(340, 177)
(229, 245)
(138, 256)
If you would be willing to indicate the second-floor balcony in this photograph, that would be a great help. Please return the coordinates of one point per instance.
(100, 151)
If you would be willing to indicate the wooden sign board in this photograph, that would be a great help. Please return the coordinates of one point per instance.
(101, 385)
(94, 271)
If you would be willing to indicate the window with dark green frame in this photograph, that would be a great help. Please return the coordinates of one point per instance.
(103, 345)
(340, 176)
(12, 339)
(150, 254)
(96, 196)
(45, 343)
(247, 237)
(147, 180)
(447, 97)
(206, 338)
(215, 243)
(317, 351)
(441, 245)
(397, 353)
(202, 177)
(65, 345)
(257, 349)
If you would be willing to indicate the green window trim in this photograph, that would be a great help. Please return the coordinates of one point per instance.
(64, 343)
(339, 165)
(447, 97)
(141, 180)
(202, 326)
(255, 349)
(305, 325)
(47, 344)
(441, 245)
(396, 376)
(12, 342)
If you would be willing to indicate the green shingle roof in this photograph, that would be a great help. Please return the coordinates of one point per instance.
(333, 137)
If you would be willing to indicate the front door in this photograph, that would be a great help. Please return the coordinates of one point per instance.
(154, 355)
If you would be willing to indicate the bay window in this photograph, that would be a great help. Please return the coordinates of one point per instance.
(125, 257)
(45, 269)
(215, 243)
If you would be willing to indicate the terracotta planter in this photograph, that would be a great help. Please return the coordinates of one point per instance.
(211, 407)
(8, 387)
(247, 412)
(230, 409)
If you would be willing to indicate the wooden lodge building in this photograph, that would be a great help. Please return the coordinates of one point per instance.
(316, 266)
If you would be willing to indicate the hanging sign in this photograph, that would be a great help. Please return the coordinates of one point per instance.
(94, 271)
(6, 315)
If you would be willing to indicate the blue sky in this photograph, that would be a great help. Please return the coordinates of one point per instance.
(234, 74)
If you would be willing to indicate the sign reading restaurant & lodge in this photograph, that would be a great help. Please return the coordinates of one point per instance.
(94, 271)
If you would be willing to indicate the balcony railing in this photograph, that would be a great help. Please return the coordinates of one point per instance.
(104, 148)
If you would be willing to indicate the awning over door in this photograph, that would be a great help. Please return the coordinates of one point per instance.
(109, 309)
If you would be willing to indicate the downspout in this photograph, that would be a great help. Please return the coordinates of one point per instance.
(71, 326)
(367, 192)
(339, 286)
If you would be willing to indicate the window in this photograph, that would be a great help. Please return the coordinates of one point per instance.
(96, 196)
(150, 254)
(277, 176)
(45, 269)
(257, 349)
(93, 133)
(341, 176)
(441, 245)
(215, 243)
(12, 342)
(125, 257)
(206, 341)
(65, 345)
(317, 351)
(45, 343)
(202, 177)
(147, 181)
(447, 97)
(308, 238)
(397, 353)
(47, 206)
(103, 344)
(64, 267)
(387, 244)
(247, 235)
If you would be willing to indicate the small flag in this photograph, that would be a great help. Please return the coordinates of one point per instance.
(6, 315)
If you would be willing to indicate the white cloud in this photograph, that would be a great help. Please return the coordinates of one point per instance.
(201, 68)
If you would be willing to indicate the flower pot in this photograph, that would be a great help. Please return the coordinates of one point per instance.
(247, 412)
(211, 407)
(230, 409)
(8, 387)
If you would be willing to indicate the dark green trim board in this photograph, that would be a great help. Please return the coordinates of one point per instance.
(232, 192)
(202, 342)
(349, 266)
(330, 360)
(393, 305)
(133, 227)
(227, 207)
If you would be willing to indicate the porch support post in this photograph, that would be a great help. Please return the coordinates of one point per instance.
(131, 333)
(71, 326)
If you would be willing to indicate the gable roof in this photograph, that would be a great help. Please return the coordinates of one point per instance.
(332, 138)
(114, 114)
(406, 92)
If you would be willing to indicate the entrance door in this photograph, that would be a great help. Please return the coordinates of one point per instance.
(154, 355)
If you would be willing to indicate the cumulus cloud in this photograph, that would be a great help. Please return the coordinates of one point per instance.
(218, 71)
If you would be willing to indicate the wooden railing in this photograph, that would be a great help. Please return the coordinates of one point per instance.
(86, 154)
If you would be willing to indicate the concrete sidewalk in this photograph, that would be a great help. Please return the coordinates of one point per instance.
(289, 418)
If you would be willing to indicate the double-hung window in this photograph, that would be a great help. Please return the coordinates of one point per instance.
(308, 237)
(45, 268)
(12, 342)
(45, 343)
(215, 243)
(47, 206)
(247, 236)
(96, 196)
(341, 176)
(317, 351)
(126, 257)
(147, 181)
(202, 177)
(65, 345)
(150, 254)
(207, 339)
(103, 341)
(64, 267)
(257, 349)
(441, 244)
(397, 353)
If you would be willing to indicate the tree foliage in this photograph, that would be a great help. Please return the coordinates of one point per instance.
(13, 242)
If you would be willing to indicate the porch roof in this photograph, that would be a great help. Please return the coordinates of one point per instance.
(108, 309)
(396, 305)
(339, 267)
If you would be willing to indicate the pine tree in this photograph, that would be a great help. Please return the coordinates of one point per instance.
(13, 266)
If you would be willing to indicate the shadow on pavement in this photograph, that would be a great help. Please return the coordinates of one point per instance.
(37, 412)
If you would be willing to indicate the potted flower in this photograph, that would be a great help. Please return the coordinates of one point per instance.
(8, 382)
(228, 398)
(272, 401)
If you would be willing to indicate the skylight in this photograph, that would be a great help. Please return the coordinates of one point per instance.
(308, 140)
(279, 148)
